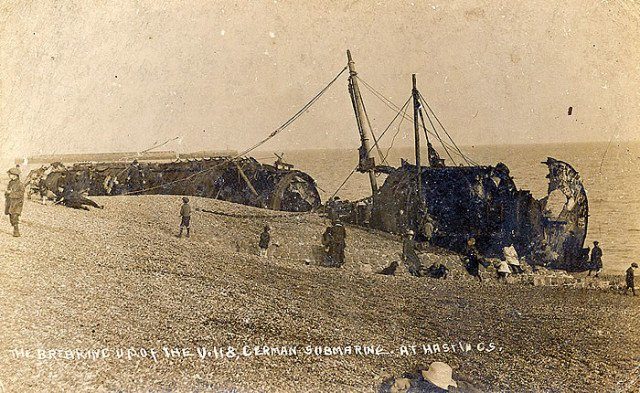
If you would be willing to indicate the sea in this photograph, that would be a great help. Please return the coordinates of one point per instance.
(610, 172)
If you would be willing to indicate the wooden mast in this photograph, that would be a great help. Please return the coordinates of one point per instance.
(366, 162)
(416, 130)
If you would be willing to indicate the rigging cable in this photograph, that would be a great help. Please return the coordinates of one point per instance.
(394, 107)
(263, 141)
(446, 132)
(437, 134)
(381, 135)
(398, 130)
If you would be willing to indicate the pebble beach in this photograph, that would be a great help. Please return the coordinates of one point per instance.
(206, 313)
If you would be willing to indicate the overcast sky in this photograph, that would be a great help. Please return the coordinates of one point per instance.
(122, 75)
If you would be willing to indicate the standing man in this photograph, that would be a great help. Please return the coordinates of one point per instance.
(265, 239)
(428, 228)
(135, 177)
(631, 279)
(596, 259)
(334, 241)
(185, 214)
(13, 200)
(409, 256)
(473, 259)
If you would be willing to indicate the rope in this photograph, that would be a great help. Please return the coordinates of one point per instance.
(294, 117)
(234, 215)
(344, 182)
(394, 107)
(263, 141)
(160, 145)
(437, 134)
(398, 130)
(381, 135)
(467, 159)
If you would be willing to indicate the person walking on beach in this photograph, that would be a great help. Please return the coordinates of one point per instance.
(631, 279)
(265, 240)
(185, 215)
(596, 259)
(13, 200)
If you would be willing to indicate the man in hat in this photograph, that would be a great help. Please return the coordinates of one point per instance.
(333, 207)
(185, 214)
(409, 256)
(437, 378)
(631, 279)
(13, 199)
(135, 177)
(596, 259)
(334, 241)
(265, 239)
(428, 228)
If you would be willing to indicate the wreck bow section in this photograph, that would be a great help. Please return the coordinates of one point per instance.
(483, 202)
(566, 214)
(244, 181)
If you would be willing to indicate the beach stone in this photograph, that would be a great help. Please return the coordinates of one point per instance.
(366, 268)
(400, 385)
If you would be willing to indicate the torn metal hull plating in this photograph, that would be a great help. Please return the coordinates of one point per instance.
(244, 181)
(483, 202)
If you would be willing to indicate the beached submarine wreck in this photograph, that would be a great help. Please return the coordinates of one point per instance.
(460, 201)
(468, 200)
(232, 179)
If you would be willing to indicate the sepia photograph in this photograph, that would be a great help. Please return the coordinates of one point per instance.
(320, 196)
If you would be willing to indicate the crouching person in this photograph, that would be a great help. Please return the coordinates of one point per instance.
(511, 256)
(503, 270)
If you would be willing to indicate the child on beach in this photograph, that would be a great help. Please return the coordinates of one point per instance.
(265, 239)
(185, 214)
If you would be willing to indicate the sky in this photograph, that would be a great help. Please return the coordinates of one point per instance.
(83, 76)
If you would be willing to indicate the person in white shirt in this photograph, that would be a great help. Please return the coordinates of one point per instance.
(503, 270)
(511, 257)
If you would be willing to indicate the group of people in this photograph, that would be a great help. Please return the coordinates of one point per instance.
(333, 239)
(15, 194)
(334, 244)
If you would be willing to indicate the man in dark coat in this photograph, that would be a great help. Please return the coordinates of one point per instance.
(409, 256)
(74, 199)
(334, 241)
(13, 200)
(473, 259)
(630, 279)
(596, 259)
(265, 240)
(135, 177)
